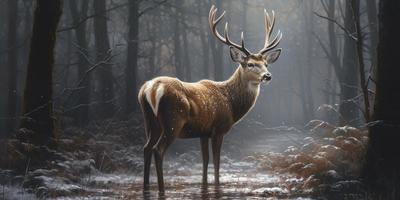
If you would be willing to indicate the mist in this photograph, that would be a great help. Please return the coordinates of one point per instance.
(70, 77)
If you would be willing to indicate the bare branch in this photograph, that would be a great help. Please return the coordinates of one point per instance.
(339, 25)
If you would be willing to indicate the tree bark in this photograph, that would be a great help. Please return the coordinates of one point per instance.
(152, 30)
(103, 51)
(309, 70)
(204, 42)
(360, 56)
(373, 30)
(38, 105)
(349, 81)
(217, 50)
(334, 56)
(177, 48)
(12, 65)
(132, 58)
(186, 60)
(81, 115)
(382, 170)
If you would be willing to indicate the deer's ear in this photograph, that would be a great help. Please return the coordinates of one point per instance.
(237, 55)
(272, 56)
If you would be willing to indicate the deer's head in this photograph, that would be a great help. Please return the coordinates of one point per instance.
(253, 65)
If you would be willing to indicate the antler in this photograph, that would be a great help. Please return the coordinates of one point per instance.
(213, 25)
(269, 26)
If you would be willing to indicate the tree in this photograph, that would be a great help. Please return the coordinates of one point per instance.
(38, 107)
(83, 94)
(334, 55)
(217, 53)
(360, 57)
(346, 69)
(373, 29)
(132, 57)
(177, 45)
(12, 64)
(203, 38)
(186, 49)
(382, 171)
(349, 81)
(306, 75)
(103, 52)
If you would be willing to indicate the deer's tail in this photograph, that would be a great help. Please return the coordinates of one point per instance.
(151, 124)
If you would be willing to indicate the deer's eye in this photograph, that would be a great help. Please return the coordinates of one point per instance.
(250, 65)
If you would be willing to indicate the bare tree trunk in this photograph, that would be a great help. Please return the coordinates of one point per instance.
(152, 33)
(306, 74)
(309, 70)
(103, 51)
(217, 50)
(132, 58)
(349, 82)
(38, 105)
(83, 95)
(204, 42)
(177, 47)
(186, 60)
(12, 65)
(334, 56)
(360, 56)
(382, 169)
(373, 30)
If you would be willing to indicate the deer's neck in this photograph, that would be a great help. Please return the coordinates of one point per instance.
(241, 92)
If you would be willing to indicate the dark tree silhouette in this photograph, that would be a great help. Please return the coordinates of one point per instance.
(103, 52)
(179, 70)
(12, 64)
(382, 170)
(373, 29)
(186, 54)
(83, 95)
(205, 46)
(38, 105)
(349, 82)
(217, 53)
(132, 58)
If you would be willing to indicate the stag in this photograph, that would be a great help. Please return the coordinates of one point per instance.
(205, 109)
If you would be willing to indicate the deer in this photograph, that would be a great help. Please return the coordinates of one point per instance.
(205, 109)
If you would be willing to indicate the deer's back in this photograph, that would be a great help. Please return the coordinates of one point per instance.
(203, 105)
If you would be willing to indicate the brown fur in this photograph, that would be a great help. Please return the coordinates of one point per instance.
(205, 109)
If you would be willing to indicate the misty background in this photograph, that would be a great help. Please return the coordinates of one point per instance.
(99, 65)
(70, 72)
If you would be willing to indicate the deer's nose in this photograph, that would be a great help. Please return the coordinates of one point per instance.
(267, 77)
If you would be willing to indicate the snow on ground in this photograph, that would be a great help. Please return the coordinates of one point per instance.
(15, 192)
(240, 177)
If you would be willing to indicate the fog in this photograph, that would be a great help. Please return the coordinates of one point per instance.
(104, 53)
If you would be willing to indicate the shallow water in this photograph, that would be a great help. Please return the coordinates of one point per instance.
(238, 180)
(239, 177)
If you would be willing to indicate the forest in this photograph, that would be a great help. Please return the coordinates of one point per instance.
(326, 126)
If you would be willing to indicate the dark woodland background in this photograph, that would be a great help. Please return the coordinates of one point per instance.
(79, 63)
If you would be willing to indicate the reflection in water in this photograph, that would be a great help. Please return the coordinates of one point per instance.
(201, 191)
(204, 192)
(239, 180)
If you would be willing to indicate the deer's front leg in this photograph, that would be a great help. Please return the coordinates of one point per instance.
(205, 155)
(216, 149)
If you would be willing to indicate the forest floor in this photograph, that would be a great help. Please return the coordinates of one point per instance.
(109, 166)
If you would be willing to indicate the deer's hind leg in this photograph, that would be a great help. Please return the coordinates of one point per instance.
(171, 128)
(153, 131)
(148, 152)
